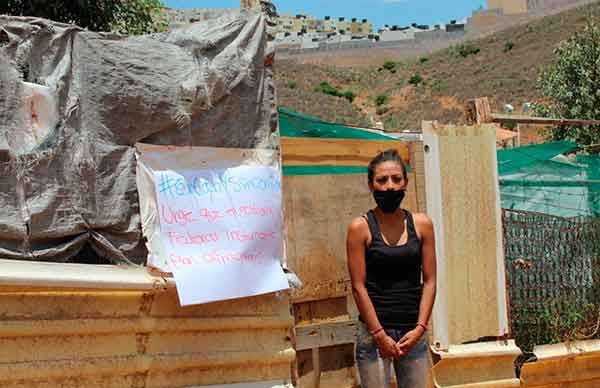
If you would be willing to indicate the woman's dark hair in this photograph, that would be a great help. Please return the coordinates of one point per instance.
(390, 155)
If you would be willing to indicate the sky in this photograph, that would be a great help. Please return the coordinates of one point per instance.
(378, 12)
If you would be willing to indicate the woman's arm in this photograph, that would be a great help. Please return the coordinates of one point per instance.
(355, 249)
(425, 227)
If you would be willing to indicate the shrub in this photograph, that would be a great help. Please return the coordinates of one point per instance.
(570, 88)
(382, 99)
(423, 59)
(292, 84)
(389, 65)
(464, 50)
(508, 46)
(325, 87)
(415, 79)
(350, 96)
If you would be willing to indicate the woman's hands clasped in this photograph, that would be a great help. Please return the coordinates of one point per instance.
(388, 348)
(410, 339)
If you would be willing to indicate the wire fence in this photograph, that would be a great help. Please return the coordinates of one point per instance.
(553, 277)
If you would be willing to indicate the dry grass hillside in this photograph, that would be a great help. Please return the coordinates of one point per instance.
(503, 67)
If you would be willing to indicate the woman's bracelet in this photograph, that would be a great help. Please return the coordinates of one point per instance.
(376, 331)
(423, 326)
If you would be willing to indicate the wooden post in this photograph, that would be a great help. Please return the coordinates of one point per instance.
(316, 368)
(478, 111)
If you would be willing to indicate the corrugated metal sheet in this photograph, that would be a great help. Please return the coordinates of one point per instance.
(477, 365)
(566, 365)
(64, 336)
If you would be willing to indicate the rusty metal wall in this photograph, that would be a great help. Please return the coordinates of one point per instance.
(566, 365)
(78, 337)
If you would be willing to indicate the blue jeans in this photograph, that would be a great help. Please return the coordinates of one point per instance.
(411, 370)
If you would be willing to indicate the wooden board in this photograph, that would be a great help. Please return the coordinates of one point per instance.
(325, 334)
(317, 211)
(464, 205)
(335, 368)
(336, 152)
(324, 310)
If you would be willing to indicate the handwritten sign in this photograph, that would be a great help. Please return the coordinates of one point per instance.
(221, 231)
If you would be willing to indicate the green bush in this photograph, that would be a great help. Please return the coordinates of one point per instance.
(389, 65)
(508, 46)
(292, 84)
(423, 59)
(570, 88)
(350, 96)
(466, 49)
(382, 99)
(415, 79)
(132, 17)
(325, 87)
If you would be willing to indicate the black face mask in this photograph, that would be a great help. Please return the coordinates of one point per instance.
(388, 200)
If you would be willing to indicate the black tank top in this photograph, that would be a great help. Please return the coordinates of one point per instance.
(394, 276)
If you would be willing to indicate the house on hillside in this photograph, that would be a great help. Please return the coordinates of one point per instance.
(401, 33)
(308, 31)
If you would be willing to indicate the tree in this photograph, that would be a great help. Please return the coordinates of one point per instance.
(120, 16)
(570, 86)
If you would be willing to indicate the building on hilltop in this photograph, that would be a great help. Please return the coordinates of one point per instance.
(395, 33)
(509, 7)
(516, 7)
(455, 27)
(308, 31)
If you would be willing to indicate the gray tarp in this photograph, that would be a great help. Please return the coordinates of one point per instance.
(72, 195)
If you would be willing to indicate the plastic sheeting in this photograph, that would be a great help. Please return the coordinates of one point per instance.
(539, 178)
(70, 195)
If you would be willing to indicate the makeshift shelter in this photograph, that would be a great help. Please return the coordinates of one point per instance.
(69, 191)
(72, 105)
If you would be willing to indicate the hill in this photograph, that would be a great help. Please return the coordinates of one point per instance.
(503, 66)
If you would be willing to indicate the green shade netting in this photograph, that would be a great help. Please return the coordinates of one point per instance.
(292, 124)
(540, 178)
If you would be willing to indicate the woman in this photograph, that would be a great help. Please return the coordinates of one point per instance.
(391, 259)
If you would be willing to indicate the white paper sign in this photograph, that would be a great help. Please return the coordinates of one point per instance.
(222, 231)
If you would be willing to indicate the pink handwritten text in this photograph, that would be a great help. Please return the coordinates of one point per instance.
(216, 257)
(176, 216)
(192, 239)
(237, 235)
